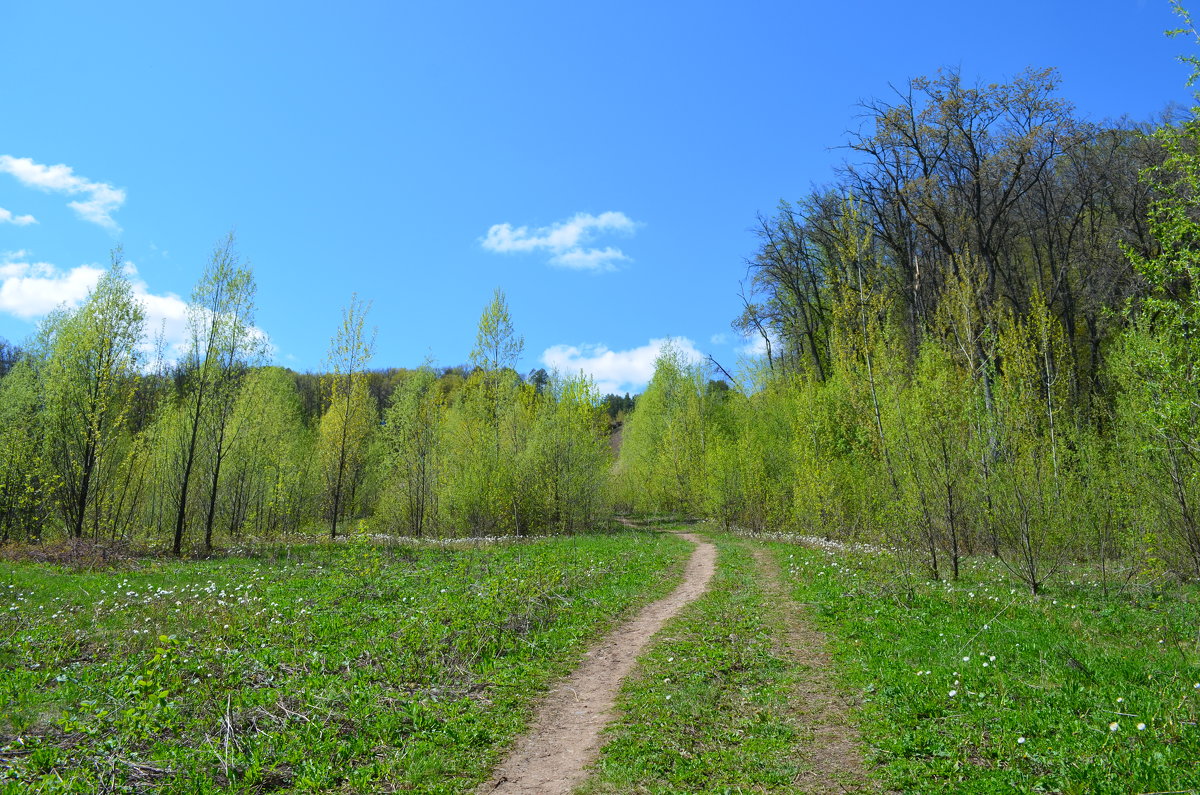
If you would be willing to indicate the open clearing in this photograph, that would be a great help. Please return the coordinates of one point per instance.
(633, 662)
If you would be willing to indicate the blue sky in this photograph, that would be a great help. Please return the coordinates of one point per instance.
(603, 164)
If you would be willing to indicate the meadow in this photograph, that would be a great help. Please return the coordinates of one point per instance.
(977, 686)
(357, 667)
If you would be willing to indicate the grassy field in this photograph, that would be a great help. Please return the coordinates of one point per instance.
(350, 668)
(707, 709)
(978, 687)
(363, 667)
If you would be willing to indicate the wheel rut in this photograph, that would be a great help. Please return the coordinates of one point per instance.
(834, 763)
(564, 737)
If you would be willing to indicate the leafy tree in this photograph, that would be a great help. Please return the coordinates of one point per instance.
(222, 344)
(91, 375)
(350, 415)
(411, 433)
(486, 490)
(567, 455)
(1159, 365)
(266, 471)
(22, 482)
(9, 356)
(497, 345)
(662, 452)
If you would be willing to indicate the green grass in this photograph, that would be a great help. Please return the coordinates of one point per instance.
(707, 710)
(978, 687)
(352, 668)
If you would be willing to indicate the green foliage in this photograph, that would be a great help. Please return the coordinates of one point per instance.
(413, 427)
(567, 456)
(222, 344)
(497, 345)
(268, 472)
(23, 492)
(88, 383)
(661, 468)
(349, 419)
(497, 456)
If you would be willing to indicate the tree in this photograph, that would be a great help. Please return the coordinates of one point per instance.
(411, 435)
(662, 451)
(222, 344)
(567, 454)
(90, 379)
(1159, 365)
(9, 356)
(22, 482)
(349, 418)
(264, 471)
(486, 430)
(497, 345)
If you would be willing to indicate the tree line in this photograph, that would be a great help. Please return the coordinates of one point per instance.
(104, 436)
(981, 339)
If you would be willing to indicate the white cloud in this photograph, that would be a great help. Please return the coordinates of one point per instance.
(755, 345)
(616, 372)
(100, 200)
(31, 289)
(719, 339)
(566, 240)
(6, 217)
(589, 259)
(166, 315)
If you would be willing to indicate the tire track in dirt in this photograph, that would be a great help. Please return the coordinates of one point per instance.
(834, 761)
(564, 737)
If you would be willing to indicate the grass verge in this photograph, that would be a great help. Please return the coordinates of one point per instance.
(351, 668)
(977, 687)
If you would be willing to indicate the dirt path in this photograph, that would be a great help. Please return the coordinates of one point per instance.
(564, 738)
(834, 763)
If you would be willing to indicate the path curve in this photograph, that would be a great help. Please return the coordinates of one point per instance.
(564, 738)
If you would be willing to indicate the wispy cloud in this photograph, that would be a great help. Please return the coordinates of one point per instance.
(565, 241)
(100, 200)
(7, 217)
(616, 371)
